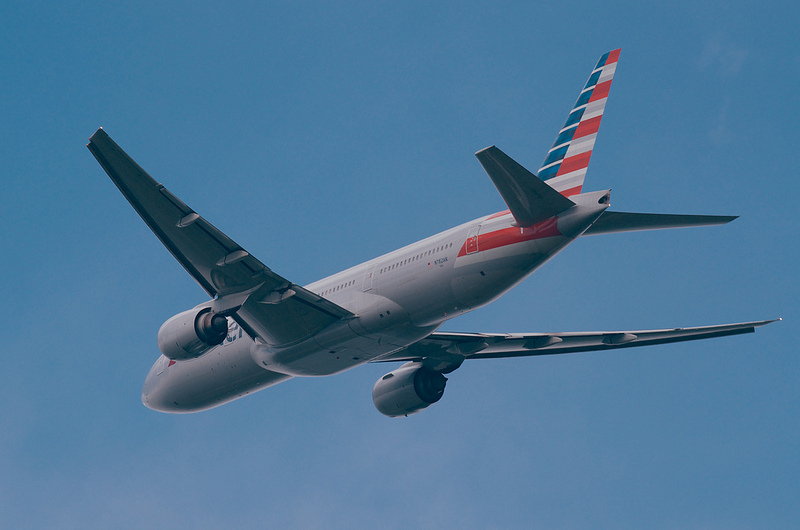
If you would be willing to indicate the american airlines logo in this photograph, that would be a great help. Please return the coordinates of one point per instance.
(234, 332)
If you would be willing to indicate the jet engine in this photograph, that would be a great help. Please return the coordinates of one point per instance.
(190, 334)
(407, 390)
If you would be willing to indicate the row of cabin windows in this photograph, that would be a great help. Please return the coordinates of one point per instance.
(338, 288)
(391, 267)
(415, 258)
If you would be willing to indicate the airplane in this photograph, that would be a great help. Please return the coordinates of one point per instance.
(259, 329)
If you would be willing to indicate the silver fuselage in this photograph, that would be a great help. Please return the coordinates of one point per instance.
(398, 299)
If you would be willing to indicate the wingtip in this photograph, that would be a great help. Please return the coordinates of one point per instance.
(100, 136)
(484, 150)
(99, 132)
(723, 219)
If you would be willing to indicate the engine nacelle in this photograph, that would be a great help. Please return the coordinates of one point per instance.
(407, 390)
(190, 334)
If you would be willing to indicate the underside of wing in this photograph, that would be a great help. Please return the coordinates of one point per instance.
(446, 351)
(264, 303)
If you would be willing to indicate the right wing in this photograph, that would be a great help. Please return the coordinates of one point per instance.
(445, 351)
(265, 304)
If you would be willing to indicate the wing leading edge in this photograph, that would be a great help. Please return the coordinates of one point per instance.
(265, 304)
(441, 351)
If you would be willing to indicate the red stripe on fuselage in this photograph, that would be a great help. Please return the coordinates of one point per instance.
(512, 235)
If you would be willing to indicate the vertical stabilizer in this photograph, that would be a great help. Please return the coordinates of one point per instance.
(565, 166)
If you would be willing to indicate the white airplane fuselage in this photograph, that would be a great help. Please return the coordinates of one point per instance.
(259, 328)
(398, 299)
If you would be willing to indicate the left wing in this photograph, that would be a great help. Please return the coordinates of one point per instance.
(265, 304)
(445, 351)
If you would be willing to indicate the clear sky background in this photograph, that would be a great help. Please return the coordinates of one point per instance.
(320, 135)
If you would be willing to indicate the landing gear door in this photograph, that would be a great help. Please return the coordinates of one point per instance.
(472, 239)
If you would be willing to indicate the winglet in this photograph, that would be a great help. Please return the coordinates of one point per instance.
(529, 199)
(565, 165)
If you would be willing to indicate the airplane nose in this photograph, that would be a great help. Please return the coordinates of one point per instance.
(160, 393)
(153, 395)
(153, 389)
(149, 386)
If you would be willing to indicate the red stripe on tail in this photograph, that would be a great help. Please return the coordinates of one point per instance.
(601, 91)
(573, 163)
(587, 127)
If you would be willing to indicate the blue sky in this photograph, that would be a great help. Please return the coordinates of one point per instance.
(321, 135)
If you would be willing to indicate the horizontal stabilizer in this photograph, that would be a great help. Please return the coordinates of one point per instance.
(527, 196)
(611, 222)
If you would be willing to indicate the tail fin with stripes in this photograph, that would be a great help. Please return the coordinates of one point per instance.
(565, 166)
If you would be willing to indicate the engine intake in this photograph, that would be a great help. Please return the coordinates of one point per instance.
(190, 334)
(408, 390)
